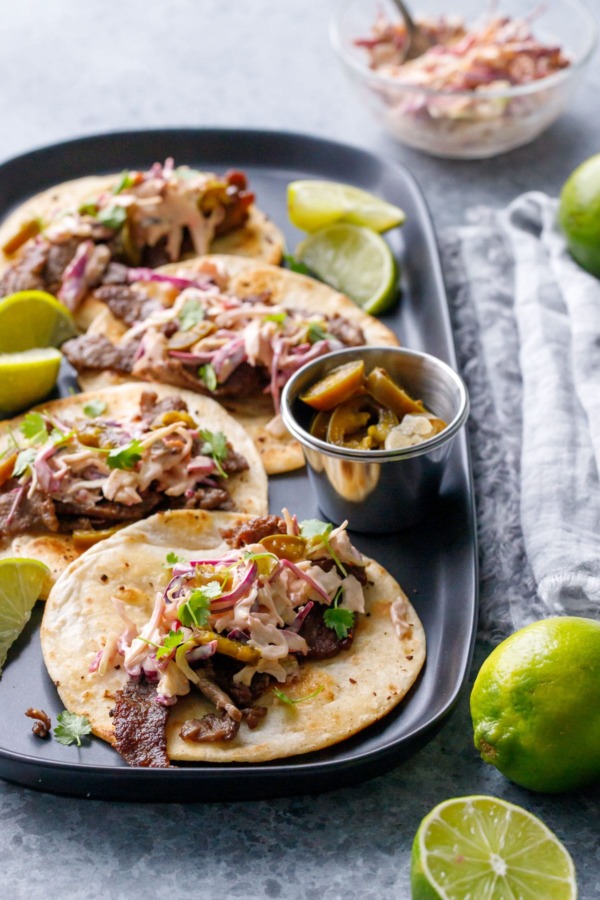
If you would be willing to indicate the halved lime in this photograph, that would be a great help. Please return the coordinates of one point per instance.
(354, 260)
(314, 204)
(484, 847)
(21, 582)
(27, 377)
(31, 319)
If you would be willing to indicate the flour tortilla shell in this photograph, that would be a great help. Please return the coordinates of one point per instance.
(359, 686)
(248, 489)
(279, 451)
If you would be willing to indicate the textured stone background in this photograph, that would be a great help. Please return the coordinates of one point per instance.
(71, 69)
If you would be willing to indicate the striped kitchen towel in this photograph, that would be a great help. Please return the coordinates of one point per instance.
(527, 327)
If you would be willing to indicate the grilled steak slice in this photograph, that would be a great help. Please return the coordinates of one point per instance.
(28, 272)
(140, 724)
(151, 407)
(253, 531)
(209, 728)
(126, 303)
(37, 514)
(94, 351)
(323, 642)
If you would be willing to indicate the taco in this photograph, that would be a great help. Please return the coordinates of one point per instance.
(232, 329)
(74, 470)
(217, 637)
(97, 231)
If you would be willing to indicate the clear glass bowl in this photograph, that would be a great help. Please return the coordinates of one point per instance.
(430, 120)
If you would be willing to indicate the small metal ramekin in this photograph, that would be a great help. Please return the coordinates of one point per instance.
(379, 490)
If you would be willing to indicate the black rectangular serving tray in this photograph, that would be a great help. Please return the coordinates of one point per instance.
(436, 562)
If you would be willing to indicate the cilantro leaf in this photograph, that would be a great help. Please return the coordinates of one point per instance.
(340, 619)
(71, 728)
(295, 265)
(34, 428)
(113, 217)
(215, 445)
(196, 609)
(191, 314)
(275, 317)
(94, 408)
(126, 181)
(209, 376)
(170, 643)
(125, 457)
(289, 701)
(172, 559)
(24, 461)
(88, 209)
(314, 528)
(316, 332)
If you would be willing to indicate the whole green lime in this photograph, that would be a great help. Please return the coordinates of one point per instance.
(535, 705)
(579, 214)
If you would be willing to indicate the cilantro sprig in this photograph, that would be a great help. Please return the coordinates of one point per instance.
(172, 559)
(215, 446)
(196, 610)
(192, 313)
(34, 428)
(71, 728)
(209, 376)
(113, 217)
(320, 531)
(125, 457)
(293, 701)
(170, 643)
(94, 408)
(339, 619)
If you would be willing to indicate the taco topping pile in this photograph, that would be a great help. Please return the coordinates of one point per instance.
(148, 219)
(212, 341)
(82, 472)
(233, 626)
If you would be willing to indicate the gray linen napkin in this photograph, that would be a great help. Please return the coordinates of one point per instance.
(527, 325)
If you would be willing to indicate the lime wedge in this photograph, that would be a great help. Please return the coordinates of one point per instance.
(314, 204)
(354, 260)
(485, 847)
(27, 377)
(31, 319)
(21, 582)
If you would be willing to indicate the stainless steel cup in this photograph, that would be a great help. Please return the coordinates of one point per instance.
(379, 490)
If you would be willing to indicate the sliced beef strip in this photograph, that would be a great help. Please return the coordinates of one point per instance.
(37, 514)
(151, 407)
(222, 669)
(126, 303)
(59, 257)
(244, 381)
(210, 727)
(26, 273)
(253, 531)
(349, 333)
(140, 724)
(323, 642)
(105, 510)
(203, 498)
(94, 351)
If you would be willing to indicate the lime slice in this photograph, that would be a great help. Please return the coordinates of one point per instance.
(314, 204)
(21, 582)
(485, 847)
(27, 377)
(354, 260)
(31, 319)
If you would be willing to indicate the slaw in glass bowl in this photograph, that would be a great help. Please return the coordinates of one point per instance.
(500, 80)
